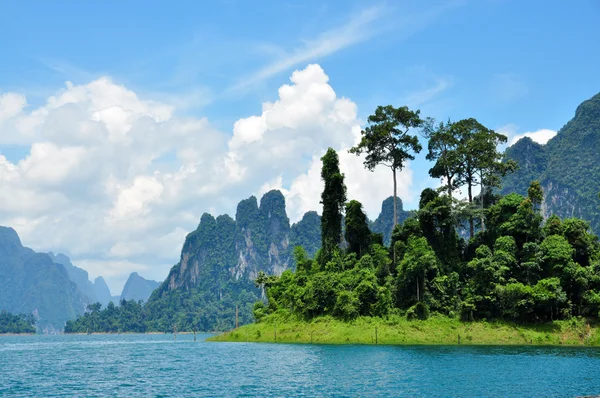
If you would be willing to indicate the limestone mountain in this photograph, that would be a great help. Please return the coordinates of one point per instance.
(219, 262)
(383, 224)
(102, 292)
(94, 292)
(31, 283)
(221, 259)
(568, 166)
(307, 233)
(77, 275)
(137, 288)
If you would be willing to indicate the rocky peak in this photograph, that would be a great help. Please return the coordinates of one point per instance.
(246, 213)
(9, 241)
(383, 224)
(138, 288)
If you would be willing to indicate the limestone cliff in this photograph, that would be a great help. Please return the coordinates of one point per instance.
(568, 167)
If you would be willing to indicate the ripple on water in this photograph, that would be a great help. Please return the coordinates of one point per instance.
(155, 365)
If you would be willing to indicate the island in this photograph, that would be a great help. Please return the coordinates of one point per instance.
(485, 270)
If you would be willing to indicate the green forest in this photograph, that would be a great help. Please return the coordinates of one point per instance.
(511, 265)
(16, 323)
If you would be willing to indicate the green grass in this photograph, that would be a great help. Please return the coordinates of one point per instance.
(398, 330)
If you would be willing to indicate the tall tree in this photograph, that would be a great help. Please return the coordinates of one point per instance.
(333, 200)
(535, 194)
(358, 234)
(443, 145)
(387, 141)
(481, 162)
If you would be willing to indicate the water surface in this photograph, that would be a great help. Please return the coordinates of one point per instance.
(155, 365)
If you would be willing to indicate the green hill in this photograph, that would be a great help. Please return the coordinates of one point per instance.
(568, 167)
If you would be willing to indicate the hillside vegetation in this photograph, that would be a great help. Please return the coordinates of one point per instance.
(514, 269)
(567, 167)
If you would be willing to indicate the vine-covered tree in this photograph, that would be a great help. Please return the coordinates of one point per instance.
(358, 234)
(535, 194)
(333, 200)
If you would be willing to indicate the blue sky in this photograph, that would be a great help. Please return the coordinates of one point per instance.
(516, 66)
(527, 63)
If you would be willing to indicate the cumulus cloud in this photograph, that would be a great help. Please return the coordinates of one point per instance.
(540, 136)
(117, 181)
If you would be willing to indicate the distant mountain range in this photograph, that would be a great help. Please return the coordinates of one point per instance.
(568, 166)
(31, 282)
(51, 287)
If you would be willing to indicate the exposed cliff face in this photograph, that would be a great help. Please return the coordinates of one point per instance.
(262, 237)
(568, 167)
(31, 282)
(222, 257)
(221, 249)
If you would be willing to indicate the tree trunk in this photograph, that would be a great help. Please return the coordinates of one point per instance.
(471, 227)
(395, 216)
(481, 200)
(418, 296)
(449, 187)
(395, 208)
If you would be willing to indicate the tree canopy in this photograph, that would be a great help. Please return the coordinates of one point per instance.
(386, 141)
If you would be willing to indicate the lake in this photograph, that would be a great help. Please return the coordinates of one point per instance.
(155, 365)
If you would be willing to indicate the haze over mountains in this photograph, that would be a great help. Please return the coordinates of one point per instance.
(51, 287)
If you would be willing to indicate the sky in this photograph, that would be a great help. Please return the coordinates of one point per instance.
(122, 122)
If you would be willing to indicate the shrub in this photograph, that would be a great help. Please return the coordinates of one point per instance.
(418, 311)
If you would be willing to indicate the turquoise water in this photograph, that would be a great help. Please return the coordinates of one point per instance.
(155, 365)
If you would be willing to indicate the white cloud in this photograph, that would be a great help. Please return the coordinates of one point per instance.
(11, 104)
(358, 28)
(369, 188)
(511, 131)
(540, 136)
(419, 97)
(117, 181)
(399, 21)
(135, 199)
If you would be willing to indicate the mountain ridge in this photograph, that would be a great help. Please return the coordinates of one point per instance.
(567, 166)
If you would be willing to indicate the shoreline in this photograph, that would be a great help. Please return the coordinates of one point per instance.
(437, 330)
(17, 334)
(103, 333)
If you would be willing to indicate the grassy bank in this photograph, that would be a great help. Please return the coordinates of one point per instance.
(398, 330)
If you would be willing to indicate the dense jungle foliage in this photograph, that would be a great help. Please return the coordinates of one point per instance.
(515, 267)
(16, 323)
